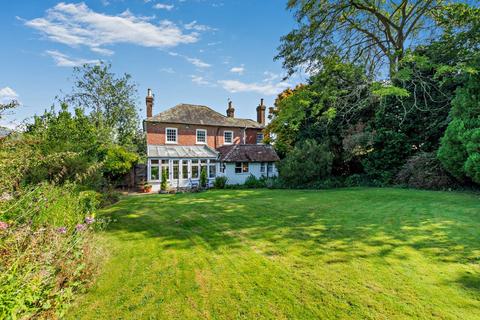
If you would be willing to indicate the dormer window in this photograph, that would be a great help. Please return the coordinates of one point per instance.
(171, 135)
(227, 137)
(201, 136)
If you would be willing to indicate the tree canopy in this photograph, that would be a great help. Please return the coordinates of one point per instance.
(109, 99)
(375, 33)
(385, 131)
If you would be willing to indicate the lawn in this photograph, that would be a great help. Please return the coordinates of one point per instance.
(278, 254)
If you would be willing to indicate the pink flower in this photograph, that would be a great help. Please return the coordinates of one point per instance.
(89, 220)
(62, 230)
(80, 227)
(3, 225)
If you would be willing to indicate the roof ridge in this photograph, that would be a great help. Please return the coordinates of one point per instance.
(202, 115)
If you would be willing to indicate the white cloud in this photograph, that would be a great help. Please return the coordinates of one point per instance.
(63, 60)
(167, 70)
(238, 70)
(199, 80)
(7, 94)
(226, 60)
(268, 89)
(198, 27)
(163, 6)
(78, 25)
(105, 52)
(270, 76)
(198, 63)
(195, 61)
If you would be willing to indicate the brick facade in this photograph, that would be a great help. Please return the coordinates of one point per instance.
(186, 135)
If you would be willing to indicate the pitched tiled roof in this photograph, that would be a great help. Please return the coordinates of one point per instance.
(163, 151)
(248, 152)
(202, 115)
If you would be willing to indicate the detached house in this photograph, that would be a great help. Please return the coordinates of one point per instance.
(187, 138)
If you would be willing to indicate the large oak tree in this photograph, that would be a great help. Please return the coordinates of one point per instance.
(375, 32)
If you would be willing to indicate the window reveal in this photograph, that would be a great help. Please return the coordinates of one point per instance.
(201, 136)
(171, 135)
(228, 137)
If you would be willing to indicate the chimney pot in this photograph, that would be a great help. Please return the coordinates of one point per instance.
(261, 112)
(230, 110)
(149, 103)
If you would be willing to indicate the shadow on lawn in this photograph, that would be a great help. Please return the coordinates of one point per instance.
(470, 282)
(354, 223)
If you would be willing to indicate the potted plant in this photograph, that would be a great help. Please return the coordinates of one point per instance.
(147, 188)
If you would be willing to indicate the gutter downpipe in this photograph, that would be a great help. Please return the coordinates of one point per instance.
(216, 137)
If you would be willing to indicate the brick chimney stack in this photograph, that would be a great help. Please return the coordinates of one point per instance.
(149, 103)
(261, 112)
(230, 110)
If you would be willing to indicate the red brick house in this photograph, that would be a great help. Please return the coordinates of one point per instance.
(186, 138)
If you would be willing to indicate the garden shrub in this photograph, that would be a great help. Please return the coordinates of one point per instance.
(203, 178)
(49, 204)
(16, 157)
(220, 182)
(358, 180)
(164, 182)
(90, 201)
(41, 269)
(274, 183)
(118, 162)
(326, 183)
(253, 182)
(459, 150)
(424, 171)
(48, 174)
(308, 162)
(47, 252)
(389, 153)
(109, 197)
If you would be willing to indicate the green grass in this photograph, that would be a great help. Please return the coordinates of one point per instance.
(270, 254)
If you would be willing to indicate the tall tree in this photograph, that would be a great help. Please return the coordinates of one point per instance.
(376, 32)
(110, 100)
(331, 108)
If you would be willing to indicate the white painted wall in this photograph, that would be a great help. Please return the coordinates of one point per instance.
(239, 178)
(233, 178)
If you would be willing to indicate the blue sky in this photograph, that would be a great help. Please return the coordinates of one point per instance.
(193, 51)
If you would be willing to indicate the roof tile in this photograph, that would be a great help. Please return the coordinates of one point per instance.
(202, 115)
(248, 153)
